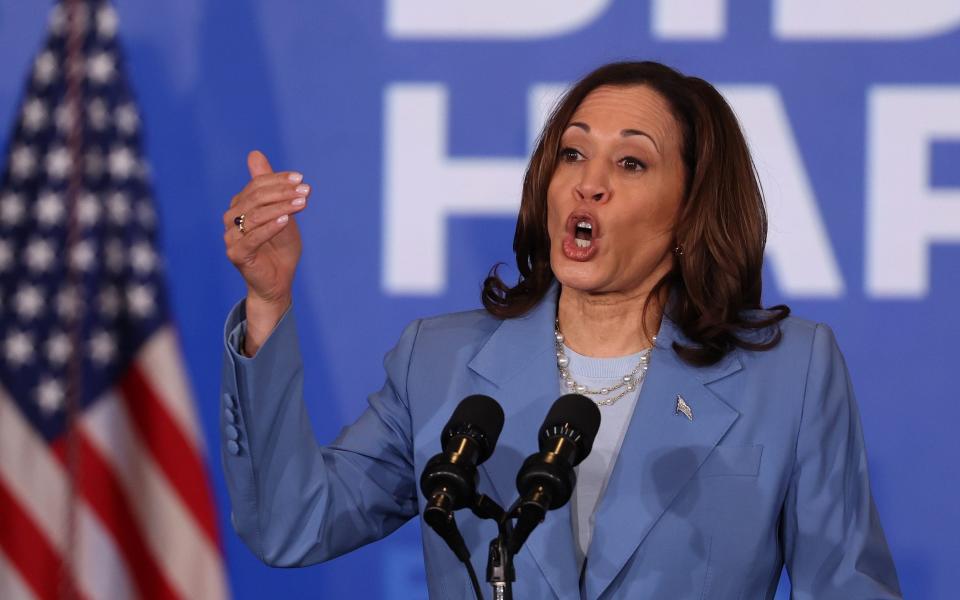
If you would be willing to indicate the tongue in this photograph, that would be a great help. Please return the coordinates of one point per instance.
(583, 234)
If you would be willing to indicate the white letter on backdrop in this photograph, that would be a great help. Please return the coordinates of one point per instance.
(797, 243)
(689, 19)
(855, 19)
(542, 98)
(422, 186)
(904, 215)
(489, 19)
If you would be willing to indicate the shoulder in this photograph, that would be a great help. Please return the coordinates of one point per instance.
(465, 323)
(445, 333)
(796, 333)
(805, 348)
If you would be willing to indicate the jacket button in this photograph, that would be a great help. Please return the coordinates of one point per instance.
(229, 400)
(229, 415)
(233, 447)
(231, 432)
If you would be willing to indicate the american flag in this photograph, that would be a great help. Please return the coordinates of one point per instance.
(104, 491)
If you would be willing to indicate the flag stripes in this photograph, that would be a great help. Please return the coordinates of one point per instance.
(161, 513)
(31, 553)
(99, 487)
(170, 449)
(130, 515)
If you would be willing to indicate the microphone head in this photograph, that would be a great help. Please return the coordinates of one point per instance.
(479, 417)
(575, 417)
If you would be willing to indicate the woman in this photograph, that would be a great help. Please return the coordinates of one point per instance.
(730, 442)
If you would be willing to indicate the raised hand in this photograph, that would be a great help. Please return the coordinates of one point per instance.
(268, 248)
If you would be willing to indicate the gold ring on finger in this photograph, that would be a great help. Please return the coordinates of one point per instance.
(239, 222)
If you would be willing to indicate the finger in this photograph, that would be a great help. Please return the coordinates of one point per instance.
(248, 244)
(258, 164)
(247, 202)
(288, 178)
(265, 214)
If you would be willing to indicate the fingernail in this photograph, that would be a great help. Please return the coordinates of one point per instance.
(299, 201)
(295, 177)
(302, 189)
(283, 219)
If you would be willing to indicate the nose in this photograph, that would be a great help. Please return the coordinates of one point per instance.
(594, 185)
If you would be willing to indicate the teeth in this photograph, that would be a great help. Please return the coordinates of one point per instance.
(585, 225)
(583, 243)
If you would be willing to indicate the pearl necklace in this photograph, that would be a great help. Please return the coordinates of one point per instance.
(628, 382)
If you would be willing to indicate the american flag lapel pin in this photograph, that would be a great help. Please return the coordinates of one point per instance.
(683, 407)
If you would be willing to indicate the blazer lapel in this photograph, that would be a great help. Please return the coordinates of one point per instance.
(660, 452)
(519, 359)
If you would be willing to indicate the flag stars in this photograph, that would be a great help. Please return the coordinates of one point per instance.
(97, 114)
(58, 19)
(12, 209)
(64, 117)
(88, 210)
(18, 348)
(28, 302)
(50, 396)
(103, 347)
(127, 119)
(58, 348)
(45, 68)
(23, 162)
(122, 163)
(39, 255)
(140, 300)
(82, 255)
(58, 163)
(35, 115)
(49, 208)
(118, 208)
(101, 68)
(107, 22)
(142, 258)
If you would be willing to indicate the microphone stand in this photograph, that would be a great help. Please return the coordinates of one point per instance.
(500, 572)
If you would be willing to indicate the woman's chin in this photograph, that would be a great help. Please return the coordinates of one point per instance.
(579, 276)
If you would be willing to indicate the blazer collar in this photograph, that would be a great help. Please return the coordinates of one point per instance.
(660, 452)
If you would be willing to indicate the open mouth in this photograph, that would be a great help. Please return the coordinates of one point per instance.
(582, 239)
(583, 233)
(582, 227)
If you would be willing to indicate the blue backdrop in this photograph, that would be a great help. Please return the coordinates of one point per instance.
(412, 120)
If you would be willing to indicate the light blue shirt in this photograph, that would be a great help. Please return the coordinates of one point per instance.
(594, 471)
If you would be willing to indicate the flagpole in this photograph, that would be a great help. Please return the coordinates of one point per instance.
(77, 24)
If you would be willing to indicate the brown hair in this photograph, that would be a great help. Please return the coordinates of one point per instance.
(715, 285)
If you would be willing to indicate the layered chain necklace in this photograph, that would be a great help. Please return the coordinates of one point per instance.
(628, 383)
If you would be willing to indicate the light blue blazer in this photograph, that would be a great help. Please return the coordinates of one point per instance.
(771, 470)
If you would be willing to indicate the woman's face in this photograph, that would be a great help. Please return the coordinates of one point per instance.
(614, 197)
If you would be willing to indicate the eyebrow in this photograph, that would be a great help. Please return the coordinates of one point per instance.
(623, 132)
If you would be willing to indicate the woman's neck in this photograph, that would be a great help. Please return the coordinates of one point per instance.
(608, 324)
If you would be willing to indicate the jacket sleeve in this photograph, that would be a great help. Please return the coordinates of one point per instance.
(294, 502)
(833, 543)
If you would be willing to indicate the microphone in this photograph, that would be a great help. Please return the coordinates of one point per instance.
(546, 479)
(449, 479)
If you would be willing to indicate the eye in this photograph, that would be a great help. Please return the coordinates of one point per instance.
(569, 154)
(632, 164)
